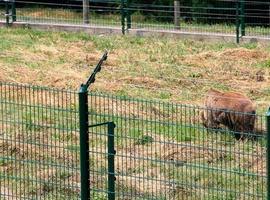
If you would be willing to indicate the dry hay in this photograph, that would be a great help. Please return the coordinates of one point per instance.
(163, 149)
(34, 96)
(129, 108)
(153, 184)
(253, 161)
(63, 79)
(211, 59)
(38, 161)
(146, 110)
(146, 168)
(43, 72)
(6, 193)
(231, 69)
(243, 53)
(144, 165)
(55, 62)
(146, 81)
(48, 13)
(43, 158)
(38, 150)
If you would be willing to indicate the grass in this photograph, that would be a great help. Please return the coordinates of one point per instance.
(179, 71)
(166, 139)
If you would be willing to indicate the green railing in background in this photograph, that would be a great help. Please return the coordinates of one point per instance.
(8, 11)
(238, 18)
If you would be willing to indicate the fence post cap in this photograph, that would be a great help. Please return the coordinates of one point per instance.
(83, 88)
(113, 124)
(268, 112)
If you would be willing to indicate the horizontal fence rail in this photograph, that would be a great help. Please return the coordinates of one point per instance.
(237, 18)
(159, 150)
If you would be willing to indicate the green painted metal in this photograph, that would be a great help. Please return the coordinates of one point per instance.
(161, 147)
(84, 132)
(40, 127)
(237, 22)
(13, 11)
(7, 13)
(111, 165)
(97, 69)
(84, 143)
(110, 157)
(242, 17)
(86, 11)
(268, 152)
(128, 11)
(10, 11)
(123, 17)
(199, 17)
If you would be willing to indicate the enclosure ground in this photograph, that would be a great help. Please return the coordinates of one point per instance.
(166, 69)
(143, 67)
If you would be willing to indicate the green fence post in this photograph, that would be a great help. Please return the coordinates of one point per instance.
(237, 21)
(176, 14)
(268, 152)
(84, 143)
(128, 15)
(111, 154)
(242, 18)
(7, 12)
(85, 11)
(123, 16)
(14, 18)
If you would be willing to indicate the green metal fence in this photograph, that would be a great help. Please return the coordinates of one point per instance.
(162, 149)
(237, 18)
(7, 11)
(163, 152)
(39, 143)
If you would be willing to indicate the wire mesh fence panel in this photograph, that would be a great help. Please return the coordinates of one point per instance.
(68, 12)
(222, 17)
(257, 18)
(98, 162)
(216, 17)
(200, 18)
(101, 162)
(39, 155)
(165, 152)
(2, 11)
(49, 12)
(108, 14)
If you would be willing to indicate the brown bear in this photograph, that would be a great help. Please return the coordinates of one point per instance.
(233, 110)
